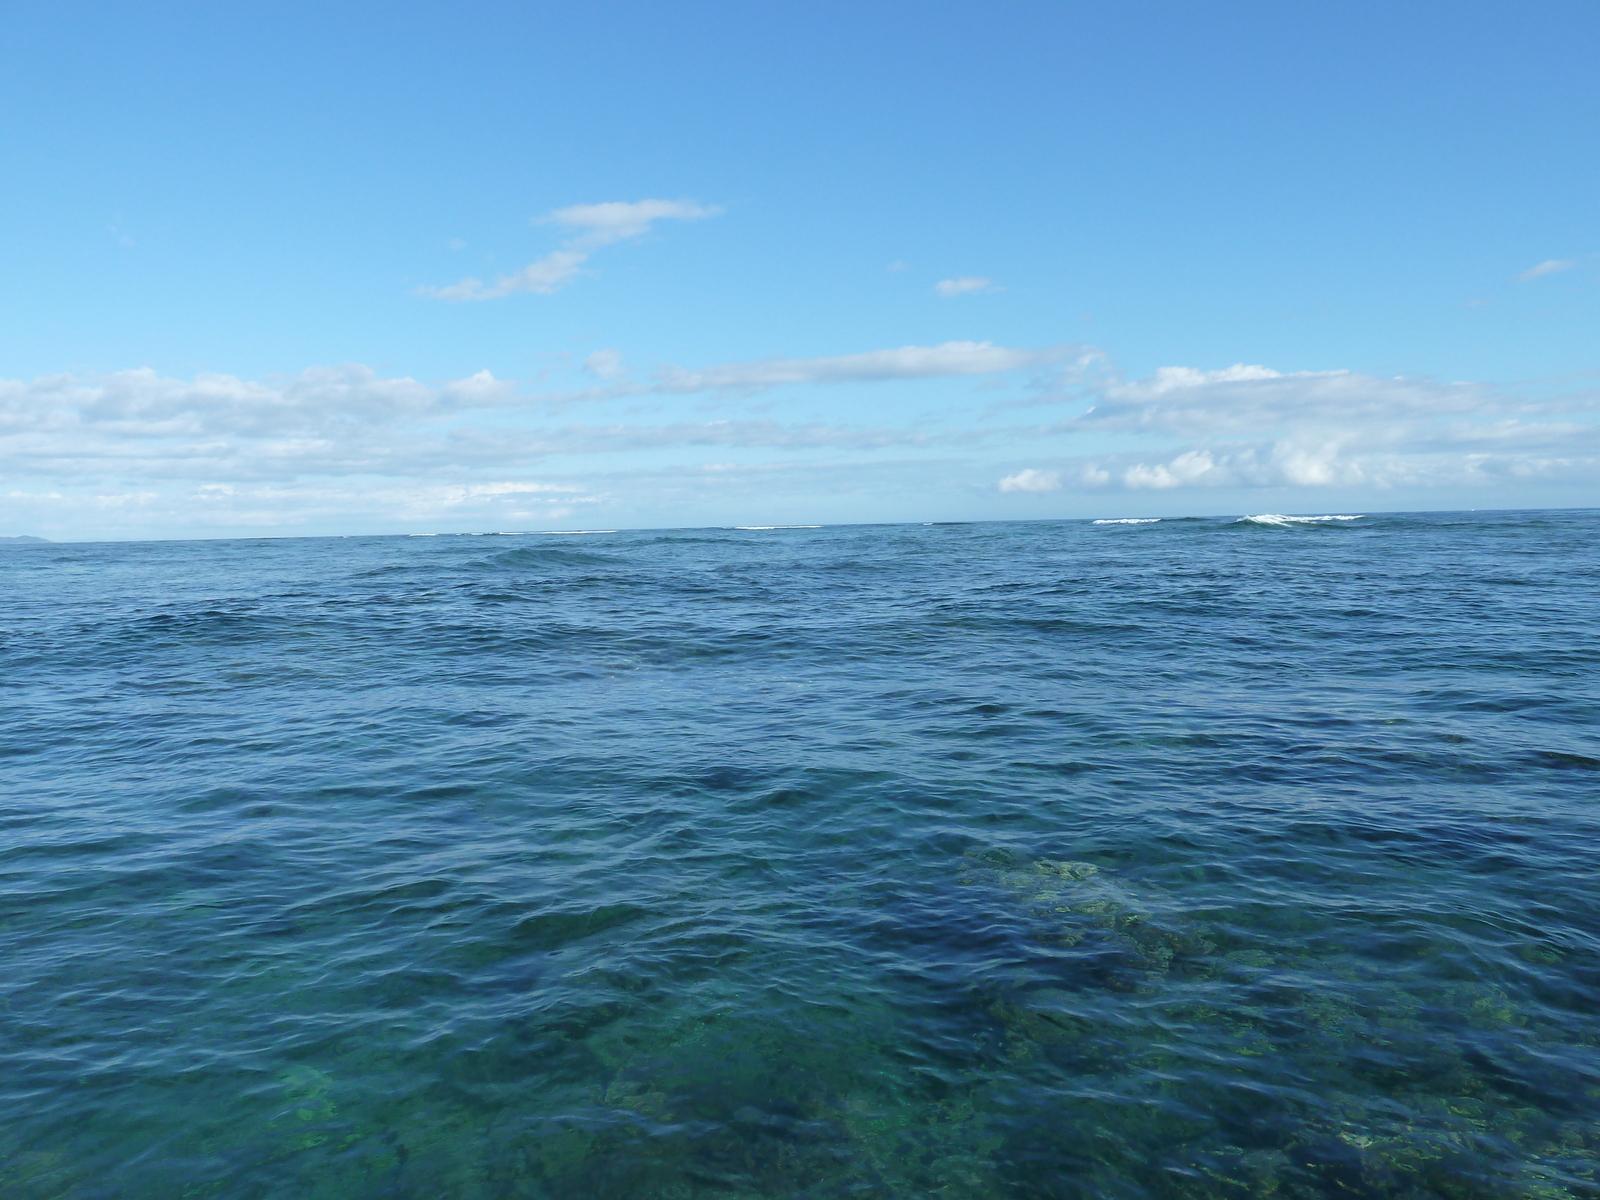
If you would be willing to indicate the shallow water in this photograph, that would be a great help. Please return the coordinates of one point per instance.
(1199, 858)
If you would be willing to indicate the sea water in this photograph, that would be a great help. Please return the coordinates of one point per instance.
(1179, 859)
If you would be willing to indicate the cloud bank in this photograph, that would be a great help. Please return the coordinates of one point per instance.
(348, 420)
(1254, 427)
(138, 451)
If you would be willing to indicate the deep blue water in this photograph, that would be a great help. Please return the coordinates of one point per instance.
(1202, 858)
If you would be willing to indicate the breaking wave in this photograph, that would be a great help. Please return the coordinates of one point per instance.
(1279, 521)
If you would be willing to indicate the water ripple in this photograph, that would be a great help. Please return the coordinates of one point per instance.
(1191, 858)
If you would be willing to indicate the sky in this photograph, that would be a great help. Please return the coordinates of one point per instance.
(360, 268)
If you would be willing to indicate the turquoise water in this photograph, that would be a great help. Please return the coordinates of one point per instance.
(1201, 858)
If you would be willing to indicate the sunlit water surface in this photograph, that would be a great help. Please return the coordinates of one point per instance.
(1187, 859)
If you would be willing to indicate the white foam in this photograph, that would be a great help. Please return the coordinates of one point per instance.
(1129, 521)
(570, 532)
(777, 526)
(1282, 521)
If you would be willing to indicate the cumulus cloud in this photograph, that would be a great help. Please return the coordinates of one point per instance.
(1308, 463)
(1251, 426)
(592, 226)
(1030, 480)
(1550, 266)
(1191, 466)
(477, 391)
(963, 285)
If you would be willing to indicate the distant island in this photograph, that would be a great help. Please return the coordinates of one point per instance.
(23, 540)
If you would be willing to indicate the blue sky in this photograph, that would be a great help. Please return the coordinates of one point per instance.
(744, 264)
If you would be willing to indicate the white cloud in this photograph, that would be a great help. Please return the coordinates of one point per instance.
(377, 505)
(906, 362)
(962, 285)
(342, 405)
(1030, 480)
(1550, 266)
(546, 277)
(503, 445)
(1189, 467)
(466, 493)
(141, 404)
(345, 421)
(345, 445)
(1252, 399)
(1251, 426)
(478, 391)
(593, 226)
(1375, 468)
(1170, 379)
(618, 220)
(605, 364)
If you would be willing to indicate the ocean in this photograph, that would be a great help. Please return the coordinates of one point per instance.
(1239, 858)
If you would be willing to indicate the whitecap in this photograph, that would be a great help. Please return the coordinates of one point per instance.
(1129, 521)
(1281, 521)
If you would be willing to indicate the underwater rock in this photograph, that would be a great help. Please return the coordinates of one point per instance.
(636, 1096)
(1069, 870)
(1077, 900)
(309, 1101)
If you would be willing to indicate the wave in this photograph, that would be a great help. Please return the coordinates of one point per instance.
(549, 556)
(751, 527)
(1280, 521)
(1129, 521)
